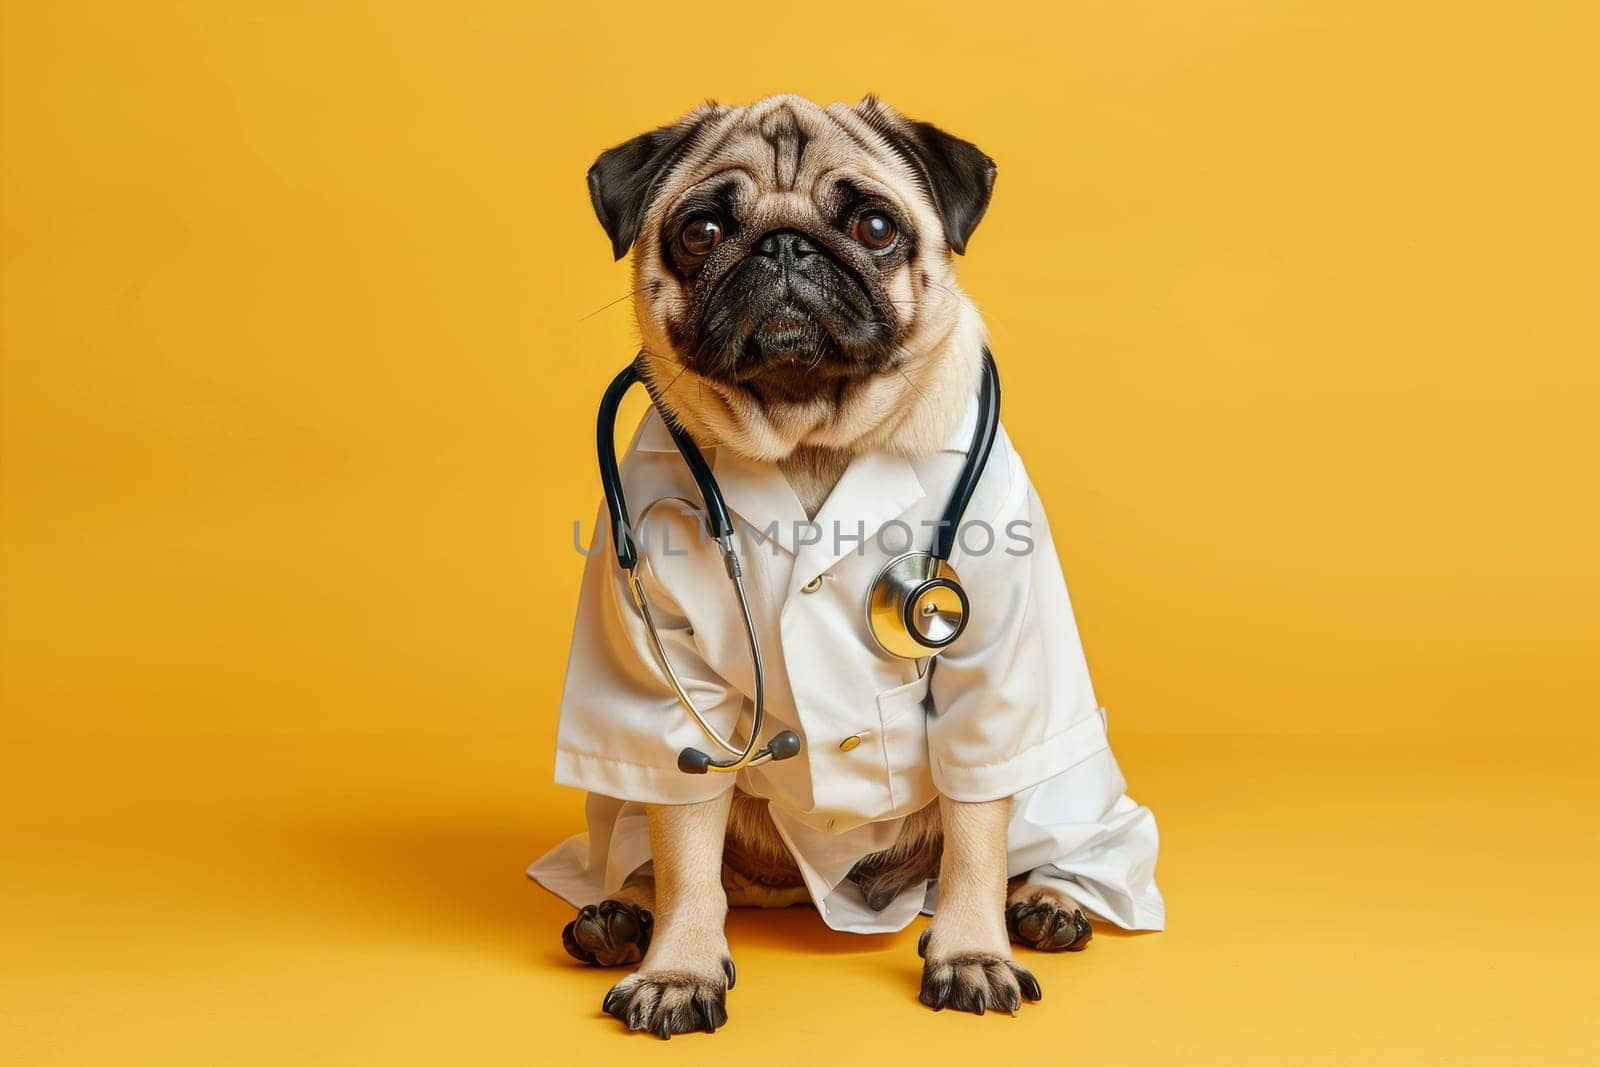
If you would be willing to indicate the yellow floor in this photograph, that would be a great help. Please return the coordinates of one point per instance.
(360, 901)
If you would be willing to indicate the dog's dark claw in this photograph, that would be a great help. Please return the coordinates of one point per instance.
(936, 985)
(713, 1012)
(727, 969)
(1049, 926)
(922, 943)
(1028, 983)
(608, 934)
(1085, 932)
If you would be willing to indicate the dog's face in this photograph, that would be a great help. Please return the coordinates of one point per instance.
(792, 259)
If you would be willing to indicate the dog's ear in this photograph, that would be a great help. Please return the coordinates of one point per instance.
(960, 178)
(623, 178)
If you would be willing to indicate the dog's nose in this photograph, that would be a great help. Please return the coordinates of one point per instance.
(785, 246)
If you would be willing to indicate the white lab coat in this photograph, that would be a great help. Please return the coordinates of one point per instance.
(1008, 710)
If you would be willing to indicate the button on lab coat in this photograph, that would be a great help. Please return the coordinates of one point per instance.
(1007, 710)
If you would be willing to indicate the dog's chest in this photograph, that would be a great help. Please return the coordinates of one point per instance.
(812, 473)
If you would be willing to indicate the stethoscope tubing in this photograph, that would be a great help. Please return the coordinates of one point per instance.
(744, 755)
(720, 526)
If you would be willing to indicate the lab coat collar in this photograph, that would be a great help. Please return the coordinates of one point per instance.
(655, 437)
(761, 495)
(757, 492)
(875, 489)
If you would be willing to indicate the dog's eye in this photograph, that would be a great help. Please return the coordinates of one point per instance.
(700, 235)
(873, 230)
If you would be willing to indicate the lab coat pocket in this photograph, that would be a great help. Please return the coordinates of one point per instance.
(903, 725)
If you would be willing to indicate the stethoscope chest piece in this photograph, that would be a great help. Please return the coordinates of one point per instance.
(917, 606)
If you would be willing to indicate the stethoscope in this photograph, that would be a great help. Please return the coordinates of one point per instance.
(915, 610)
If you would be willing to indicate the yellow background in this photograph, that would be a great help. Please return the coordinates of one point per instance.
(305, 316)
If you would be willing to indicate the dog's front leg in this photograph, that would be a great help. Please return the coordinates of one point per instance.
(966, 951)
(682, 982)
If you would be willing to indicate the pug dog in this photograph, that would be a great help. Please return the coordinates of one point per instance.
(797, 304)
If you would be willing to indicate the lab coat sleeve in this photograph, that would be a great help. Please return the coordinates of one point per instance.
(1012, 703)
(621, 724)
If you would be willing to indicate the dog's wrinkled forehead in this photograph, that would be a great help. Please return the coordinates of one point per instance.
(786, 152)
(787, 156)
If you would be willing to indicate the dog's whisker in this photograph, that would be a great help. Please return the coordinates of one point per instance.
(611, 304)
(914, 387)
(681, 372)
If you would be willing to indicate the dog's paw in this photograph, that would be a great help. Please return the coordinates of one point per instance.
(1048, 923)
(670, 1002)
(608, 934)
(977, 982)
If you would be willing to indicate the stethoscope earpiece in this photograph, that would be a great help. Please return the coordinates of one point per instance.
(782, 746)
